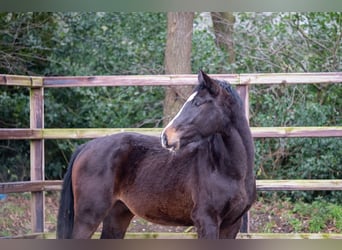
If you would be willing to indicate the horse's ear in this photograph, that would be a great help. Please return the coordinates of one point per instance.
(206, 82)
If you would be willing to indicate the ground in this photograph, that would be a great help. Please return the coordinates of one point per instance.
(277, 217)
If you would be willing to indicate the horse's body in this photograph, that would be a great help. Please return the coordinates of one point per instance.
(207, 181)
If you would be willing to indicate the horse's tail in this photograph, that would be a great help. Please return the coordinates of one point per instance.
(65, 219)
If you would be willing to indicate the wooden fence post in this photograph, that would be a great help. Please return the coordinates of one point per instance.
(244, 94)
(37, 153)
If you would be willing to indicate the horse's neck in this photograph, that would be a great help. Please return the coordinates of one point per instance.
(226, 154)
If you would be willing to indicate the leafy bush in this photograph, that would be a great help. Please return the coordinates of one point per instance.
(14, 113)
(103, 44)
(298, 158)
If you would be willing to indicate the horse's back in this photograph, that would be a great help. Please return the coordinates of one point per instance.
(114, 141)
(102, 157)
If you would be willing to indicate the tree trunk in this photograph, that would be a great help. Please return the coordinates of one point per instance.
(177, 59)
(223, 23)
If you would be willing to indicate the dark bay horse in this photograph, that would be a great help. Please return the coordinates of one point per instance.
(200, 172)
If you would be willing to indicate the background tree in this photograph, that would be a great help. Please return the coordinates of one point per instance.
(177, 59)
(223, 25)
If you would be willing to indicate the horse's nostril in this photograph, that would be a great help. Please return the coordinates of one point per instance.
(164, 140)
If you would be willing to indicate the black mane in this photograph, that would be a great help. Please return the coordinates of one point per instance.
(230, 90)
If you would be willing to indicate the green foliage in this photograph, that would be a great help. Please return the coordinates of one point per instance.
(108, 43)
(321, 214)
(15, 160)
(104, 108)
(288, 42)
(14, 113)
(298, 158)
(293, 42)
(104, 44)
(14, 103)
(80, 44)
(205, 54)
(25, 42)
(299, 217)
(25, 46)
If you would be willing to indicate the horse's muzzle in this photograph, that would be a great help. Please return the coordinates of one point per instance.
(170, 139)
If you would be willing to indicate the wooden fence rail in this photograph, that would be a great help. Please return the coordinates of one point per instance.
(89, 133)
(37, 133)
(262, 185)
(168, 80)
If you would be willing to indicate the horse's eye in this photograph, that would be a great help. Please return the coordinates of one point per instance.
(197, 103)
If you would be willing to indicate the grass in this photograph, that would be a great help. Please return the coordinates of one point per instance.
(320, 214)
(10, 221)
(300, 217)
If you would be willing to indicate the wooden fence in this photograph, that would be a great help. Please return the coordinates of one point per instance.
(37, 133)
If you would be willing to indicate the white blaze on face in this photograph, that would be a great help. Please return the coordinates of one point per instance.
(180, 111)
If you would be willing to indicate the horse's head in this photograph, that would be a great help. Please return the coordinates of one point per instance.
(211, 109)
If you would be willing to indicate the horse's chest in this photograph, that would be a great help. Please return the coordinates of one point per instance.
(217, 190)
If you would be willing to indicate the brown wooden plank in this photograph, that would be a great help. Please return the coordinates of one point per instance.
(66, 133)
(166, 80)
(15, 80)
(162, 235)
(93, 133)
(244, 94)
(302, 185)
(284, 132)
(38, 197)
(291, 78)
(37, 81)
(29, 186)
(37, 158)
(289, 236)
(20, 134)
(78, 133)
(25, 236)
(136, 80)
(262, 185)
